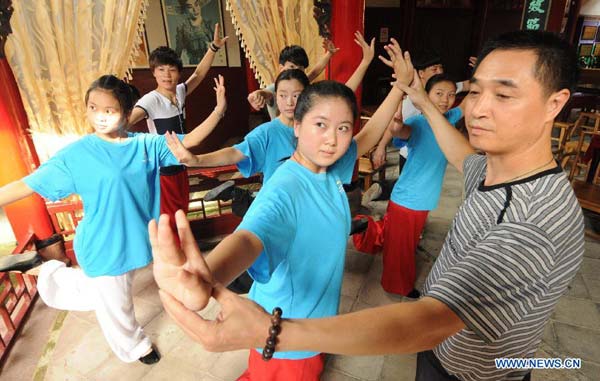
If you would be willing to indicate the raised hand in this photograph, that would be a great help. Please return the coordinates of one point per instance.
(329, 46)
(472, 61)
(179, 270)
(368, 50)
(416, 92)
(220, 94)
(217, 40)
(256, 100)
(400, 62)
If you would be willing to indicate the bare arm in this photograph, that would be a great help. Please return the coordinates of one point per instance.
(14, 191)
(259, 98)
(321, 64)
(225, 156)
(233, 255)
(396, 328)
(204, 66)
(376, 126)
(199, 133)
(137, 114)
(368, 52)
(452, 143)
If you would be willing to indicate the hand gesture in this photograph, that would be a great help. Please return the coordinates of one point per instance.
(181, 153)
(179, 270)
(184, 278)
(401, 63)
(220, 93)
(329, 46)
(416, 92)
(368, 50)
(217, 40)
(256, 100)
(472, 61)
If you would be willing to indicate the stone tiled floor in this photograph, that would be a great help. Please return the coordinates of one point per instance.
(76, 350)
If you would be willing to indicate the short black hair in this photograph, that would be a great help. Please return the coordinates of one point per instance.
(556, 66)
(294, 54)
(437, 79)
(164, 55)
(426, 59)
(297, 74)
(324, 89)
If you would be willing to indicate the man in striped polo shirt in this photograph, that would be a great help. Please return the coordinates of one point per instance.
(514, 246)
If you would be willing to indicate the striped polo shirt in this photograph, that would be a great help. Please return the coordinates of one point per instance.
(162, 115)
(509, 256)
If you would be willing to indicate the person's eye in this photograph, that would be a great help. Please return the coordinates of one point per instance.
(91, 108)
(344, 128)
(321, 125)
(502, 96)
(473, 92)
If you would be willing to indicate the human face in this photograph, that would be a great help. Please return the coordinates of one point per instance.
(507, 110)
(430, 71)
(443, 94)
(287, 95)
(104, 114)
(290, 65)
(324, 134)
(193, 8)
(167, 77)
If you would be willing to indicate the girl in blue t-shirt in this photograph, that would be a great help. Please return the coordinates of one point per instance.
(415, 193)
(116, 174)
(293, 238)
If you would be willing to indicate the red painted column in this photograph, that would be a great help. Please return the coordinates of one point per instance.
(347, 16)
(19, 159)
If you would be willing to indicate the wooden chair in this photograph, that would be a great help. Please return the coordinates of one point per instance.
(567, 145)
(367, 170)
(587, 191)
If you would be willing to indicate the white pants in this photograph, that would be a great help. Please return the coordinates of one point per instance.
(109, 297)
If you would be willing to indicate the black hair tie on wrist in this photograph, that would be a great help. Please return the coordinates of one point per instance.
(214, 47)
(274, 330)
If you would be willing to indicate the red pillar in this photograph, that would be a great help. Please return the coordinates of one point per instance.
(347, 16)
(29, 215)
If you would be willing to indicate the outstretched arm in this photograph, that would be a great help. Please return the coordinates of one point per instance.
(242, 324)
(14, 191)
(205, 128)
(368, 52)
(452, 143)
(376, 126)
(224, 156)
(259, 98)
(321, 64)
(198, 76)
(137, 114)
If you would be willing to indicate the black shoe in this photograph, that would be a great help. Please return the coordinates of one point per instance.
(414, 294)
(151, 358)
(359, 226)
(222, 192)
(20, 262)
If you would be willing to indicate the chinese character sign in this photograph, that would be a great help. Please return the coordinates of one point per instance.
(535, 14)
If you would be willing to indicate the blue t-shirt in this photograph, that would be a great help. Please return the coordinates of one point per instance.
(265, 148)
(420, 183)
(303, 220)
(119, 186)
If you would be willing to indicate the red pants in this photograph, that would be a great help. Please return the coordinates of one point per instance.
(174, 194)
(398, 234)
(279, 369)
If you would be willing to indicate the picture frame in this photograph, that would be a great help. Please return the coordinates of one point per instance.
(189, 25)
(588, 32)
(142, 60)
(585, 49)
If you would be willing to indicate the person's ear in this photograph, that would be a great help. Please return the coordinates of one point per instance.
(296, 128)
(555, 103)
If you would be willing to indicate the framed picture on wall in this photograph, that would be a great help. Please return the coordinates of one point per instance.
(588, 32)
(585, 49)
(141, 60)
(190, 26)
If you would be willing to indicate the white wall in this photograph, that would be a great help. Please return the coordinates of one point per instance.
(590, 8)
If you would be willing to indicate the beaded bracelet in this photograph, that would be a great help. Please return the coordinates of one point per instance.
(275, 330)
(214, 47)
